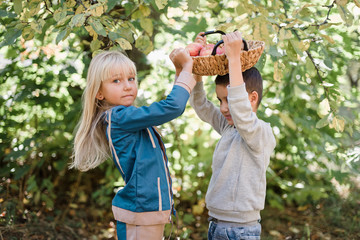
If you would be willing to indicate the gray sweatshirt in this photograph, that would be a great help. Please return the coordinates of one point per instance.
(237, 187)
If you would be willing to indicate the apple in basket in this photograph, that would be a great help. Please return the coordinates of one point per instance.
(207, 50)
(194, 48)
(220, 50)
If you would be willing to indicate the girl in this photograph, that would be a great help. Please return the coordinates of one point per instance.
(111, 123)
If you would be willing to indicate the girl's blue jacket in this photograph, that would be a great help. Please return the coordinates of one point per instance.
(139, 154)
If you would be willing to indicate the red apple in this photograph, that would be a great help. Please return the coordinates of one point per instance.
(207, 50)
(194, 48)
(220, 50)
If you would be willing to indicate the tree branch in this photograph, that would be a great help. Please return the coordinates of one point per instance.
(326, 90)
(47, 8)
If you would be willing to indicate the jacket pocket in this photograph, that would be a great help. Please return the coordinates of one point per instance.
(159, 190)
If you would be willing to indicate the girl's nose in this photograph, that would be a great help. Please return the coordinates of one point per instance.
(127, 85)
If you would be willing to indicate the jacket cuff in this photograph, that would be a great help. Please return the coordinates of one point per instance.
(186, 80)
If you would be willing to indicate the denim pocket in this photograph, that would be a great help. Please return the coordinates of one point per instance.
(216, 232)
(246, 233)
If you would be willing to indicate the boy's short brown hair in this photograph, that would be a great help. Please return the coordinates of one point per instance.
(252, 78)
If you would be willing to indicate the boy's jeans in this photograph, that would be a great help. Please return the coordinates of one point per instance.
(219, 230)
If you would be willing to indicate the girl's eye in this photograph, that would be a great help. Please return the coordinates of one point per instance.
(131, 79)
(116, 81)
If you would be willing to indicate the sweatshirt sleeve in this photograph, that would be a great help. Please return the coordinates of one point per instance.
(256, 133)
(134, 118)
(206, 110)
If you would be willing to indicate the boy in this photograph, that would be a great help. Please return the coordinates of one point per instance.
(236, 192)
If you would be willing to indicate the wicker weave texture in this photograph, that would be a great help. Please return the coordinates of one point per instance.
(219, 65)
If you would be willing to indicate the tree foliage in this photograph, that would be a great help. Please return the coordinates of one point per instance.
(311, 96)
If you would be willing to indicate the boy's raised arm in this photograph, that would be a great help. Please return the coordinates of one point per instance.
(233, 45)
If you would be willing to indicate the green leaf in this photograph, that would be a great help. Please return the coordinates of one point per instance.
(323, 122)
(323, 108)
(327, 58)
(305, 12)
(4, 14)
(78, 20)
(288, 121)
(31, 184)
(291, 51)
(28, 33)
(147, 25)
(98, 27)
(188, 218)
(37, 197)
(10, 36)
(338, 123)
(38, 25)
(46, 183)
(195, 25)
(260, 64)
(48, 201)
(193, 5)
(64, 21)
(144, 44)
(274, 52)
(21, 171)
(62, 35)
(114, 35)
(326, 25)
(346, 15)
(145, 11)
(124, 44)
(161, 3)
(296, 46)
(136, 15)
(111, 4)
(18, 6)
(60, 165)
(59, 14)
(95, 45)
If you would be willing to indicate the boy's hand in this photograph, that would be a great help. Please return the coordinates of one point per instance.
(201, 39)
(233, 45)
(181, 60)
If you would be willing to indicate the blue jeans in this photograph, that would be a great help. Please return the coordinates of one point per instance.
(233, 231)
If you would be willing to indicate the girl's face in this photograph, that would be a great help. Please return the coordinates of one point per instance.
(119, 89)
(222, 93)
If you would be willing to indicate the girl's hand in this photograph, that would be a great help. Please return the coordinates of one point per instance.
(233, 45)
(201, 39)
(181, 60)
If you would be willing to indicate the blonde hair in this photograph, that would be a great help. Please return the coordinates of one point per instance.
(90, 145)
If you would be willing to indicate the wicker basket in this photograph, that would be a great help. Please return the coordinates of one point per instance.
(218, 64)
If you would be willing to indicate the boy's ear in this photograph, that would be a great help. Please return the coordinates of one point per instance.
(253, 97)
(99, 95)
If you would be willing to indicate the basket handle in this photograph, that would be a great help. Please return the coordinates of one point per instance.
(213, 53)
(212, 32)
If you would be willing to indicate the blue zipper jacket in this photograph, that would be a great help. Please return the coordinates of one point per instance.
(139, 154)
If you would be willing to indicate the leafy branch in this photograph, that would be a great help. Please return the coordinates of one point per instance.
(318, 70)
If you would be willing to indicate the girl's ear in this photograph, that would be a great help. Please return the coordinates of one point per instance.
(99, 95)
